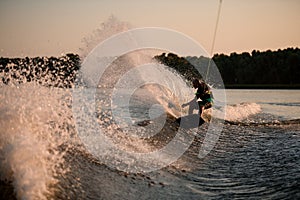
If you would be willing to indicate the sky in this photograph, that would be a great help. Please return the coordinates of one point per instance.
(52, 28)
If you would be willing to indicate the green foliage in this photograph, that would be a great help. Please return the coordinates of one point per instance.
(180, 64)
(53, 71)
(269, 67)
(272, 69)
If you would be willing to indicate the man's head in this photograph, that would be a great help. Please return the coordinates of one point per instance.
(196, 83)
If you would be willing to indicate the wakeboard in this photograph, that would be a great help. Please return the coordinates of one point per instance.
(187, 122)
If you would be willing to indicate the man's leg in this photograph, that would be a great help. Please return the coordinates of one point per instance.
(193, 106)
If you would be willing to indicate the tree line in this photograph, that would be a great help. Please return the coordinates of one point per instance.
(47, 71)
(267, 69)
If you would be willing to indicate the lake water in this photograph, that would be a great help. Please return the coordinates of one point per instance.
(43, 157)
(283, 103)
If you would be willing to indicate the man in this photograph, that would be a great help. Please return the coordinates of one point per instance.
(203, 98)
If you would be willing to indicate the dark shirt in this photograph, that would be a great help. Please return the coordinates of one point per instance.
(203, 92)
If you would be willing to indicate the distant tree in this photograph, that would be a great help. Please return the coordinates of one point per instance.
(269, 67)
(180, 64)
(53, 71)
(258, 68)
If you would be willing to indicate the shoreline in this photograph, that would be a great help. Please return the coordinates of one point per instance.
(263, 86)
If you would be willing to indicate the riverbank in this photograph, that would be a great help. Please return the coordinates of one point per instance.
(262, 86)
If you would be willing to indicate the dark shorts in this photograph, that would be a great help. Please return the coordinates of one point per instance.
(206, 104)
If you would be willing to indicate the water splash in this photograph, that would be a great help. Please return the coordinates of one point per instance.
(241, 111)
(108, 28)
(35, 122)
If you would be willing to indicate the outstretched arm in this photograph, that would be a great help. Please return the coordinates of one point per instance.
(193, 105)
(194, 100)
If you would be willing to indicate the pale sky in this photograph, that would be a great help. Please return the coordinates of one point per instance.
(54, 27)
